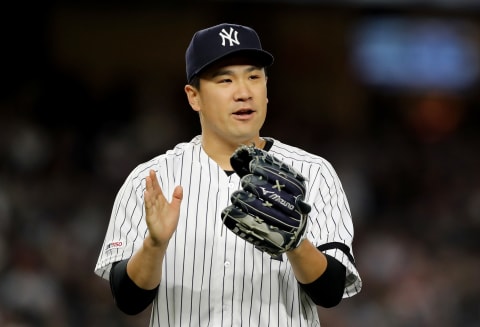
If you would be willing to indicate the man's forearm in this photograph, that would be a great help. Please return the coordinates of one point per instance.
(321, 276)
(128, 297)
(308, 263)
(145, 267)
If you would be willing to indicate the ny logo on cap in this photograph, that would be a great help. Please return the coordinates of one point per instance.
(231, 37)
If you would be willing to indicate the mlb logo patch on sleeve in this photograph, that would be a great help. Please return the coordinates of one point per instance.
(114, 245)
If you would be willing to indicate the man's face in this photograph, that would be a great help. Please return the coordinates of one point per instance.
(232, 101)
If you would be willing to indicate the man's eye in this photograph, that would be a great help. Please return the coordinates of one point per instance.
(254, 76)
(225, 80)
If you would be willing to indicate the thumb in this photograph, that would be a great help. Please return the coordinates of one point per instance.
(177, 197)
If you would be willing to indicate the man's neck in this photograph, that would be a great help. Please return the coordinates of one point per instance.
(220, 152)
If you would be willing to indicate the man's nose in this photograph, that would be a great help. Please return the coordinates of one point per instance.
(243, 92)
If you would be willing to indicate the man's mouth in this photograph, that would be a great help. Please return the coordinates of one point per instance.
(243, 112)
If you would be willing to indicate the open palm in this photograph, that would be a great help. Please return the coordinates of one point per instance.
(161, 215)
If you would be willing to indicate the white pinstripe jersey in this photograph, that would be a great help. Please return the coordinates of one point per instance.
(211, 277)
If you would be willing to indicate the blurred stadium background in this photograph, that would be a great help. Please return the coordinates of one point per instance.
(388, 91)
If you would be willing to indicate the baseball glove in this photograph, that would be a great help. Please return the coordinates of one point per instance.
(269, 211)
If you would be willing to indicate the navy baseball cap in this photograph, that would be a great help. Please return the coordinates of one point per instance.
(214, 43)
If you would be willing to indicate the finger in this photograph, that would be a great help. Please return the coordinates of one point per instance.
(148, 194)
(156, 189)
(153, 194)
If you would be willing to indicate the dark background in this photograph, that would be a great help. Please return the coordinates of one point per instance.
(388, 93)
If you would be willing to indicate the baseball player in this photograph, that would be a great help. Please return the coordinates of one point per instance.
(230, 228)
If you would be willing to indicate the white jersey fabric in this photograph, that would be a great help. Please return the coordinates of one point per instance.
(211, 277)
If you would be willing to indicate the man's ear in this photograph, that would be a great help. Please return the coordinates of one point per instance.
(192, 96)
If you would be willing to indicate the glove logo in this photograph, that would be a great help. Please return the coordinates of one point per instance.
(232, 37)
(265, 191)
(277, 198)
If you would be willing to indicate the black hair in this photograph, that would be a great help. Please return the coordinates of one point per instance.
(195, 80)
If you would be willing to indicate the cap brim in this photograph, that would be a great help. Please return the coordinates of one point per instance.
(259, 57)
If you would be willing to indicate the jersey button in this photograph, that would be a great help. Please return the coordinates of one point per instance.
(227, 264)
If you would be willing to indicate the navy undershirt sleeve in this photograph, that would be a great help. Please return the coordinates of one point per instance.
(327, 290)
(128, 297)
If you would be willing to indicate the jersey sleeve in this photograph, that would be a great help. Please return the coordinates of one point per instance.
(127, 228)
(330, 222)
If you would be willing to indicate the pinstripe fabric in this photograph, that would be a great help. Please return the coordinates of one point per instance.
(210, 276)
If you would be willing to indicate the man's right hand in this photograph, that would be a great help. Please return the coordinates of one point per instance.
(161, 216)
(145, 266)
